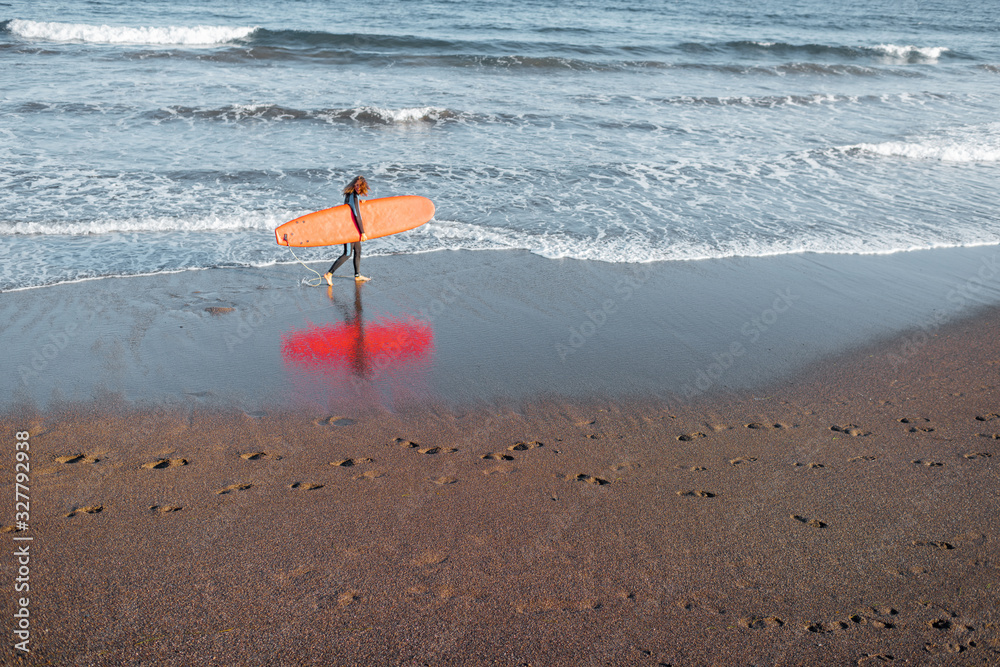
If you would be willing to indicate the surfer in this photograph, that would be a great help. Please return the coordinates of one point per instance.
(354, 189)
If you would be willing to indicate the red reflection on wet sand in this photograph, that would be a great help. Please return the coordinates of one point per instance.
(364, 348)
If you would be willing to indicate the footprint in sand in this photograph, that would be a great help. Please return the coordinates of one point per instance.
(915, 424)
(884, 611)
(757, 623)
(742, 460)
(524, 446)
(991, 436)
(371, 474)
(305, 486)
(830, 626)
(700, 605)
(497, 456)
(977, 455)
(159, 464)
(589, 479)
(929, 464)
(871, 660)
(987, 418)
(257, 456)
(77, 458)
(445, 480)
(233, 487)
(946, 546)
(408, 444)
(347, 598)
(437, 450)
(10, 529)
(812, 523)
(808, 465)
(946, 648)
(687, 437)
(692, 468)
(165, 509)
(430, 558)
(350, 463)
(698, 494)
(335, 421)
(763, 427)
(93, 509)
(852, 430)
(858, 459)
(878, 623)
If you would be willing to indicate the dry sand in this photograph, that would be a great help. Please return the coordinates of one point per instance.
(850, 516)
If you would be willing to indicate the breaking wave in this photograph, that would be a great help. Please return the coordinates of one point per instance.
(104, 34)
(973, 144)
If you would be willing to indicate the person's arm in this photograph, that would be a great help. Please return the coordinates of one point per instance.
(353, 203)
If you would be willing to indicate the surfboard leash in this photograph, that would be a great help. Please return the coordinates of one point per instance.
(312, 282)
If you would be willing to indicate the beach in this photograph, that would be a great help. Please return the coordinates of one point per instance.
(695, 364)
(836, 508)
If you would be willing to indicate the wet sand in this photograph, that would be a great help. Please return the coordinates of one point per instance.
(504, 326)
(831, 497)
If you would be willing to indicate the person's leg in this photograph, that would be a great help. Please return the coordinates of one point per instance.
(336, 265)
(357, 262)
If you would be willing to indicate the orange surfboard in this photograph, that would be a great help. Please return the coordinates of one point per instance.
(332, 226)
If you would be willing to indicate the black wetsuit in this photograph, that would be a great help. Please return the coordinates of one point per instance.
(351, 199)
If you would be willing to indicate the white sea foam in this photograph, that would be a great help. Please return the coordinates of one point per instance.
(208, 223)
(404, 115)
(231, 243)
(974, 144)
(202, 35)
(924, 53)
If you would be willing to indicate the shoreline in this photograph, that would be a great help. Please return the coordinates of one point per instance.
(397, 253)
(474, 328)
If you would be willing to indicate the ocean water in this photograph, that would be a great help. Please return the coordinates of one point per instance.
(141, 137)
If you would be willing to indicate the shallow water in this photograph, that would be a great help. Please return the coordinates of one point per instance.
(139, 138)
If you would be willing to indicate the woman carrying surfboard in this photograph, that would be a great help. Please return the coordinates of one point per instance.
(354, 189)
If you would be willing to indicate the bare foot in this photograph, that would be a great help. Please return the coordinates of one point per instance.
(328, 277)
(361, 279)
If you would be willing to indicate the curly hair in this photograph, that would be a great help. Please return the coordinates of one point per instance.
(358, 184)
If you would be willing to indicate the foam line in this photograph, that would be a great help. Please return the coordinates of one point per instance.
(104, 34)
